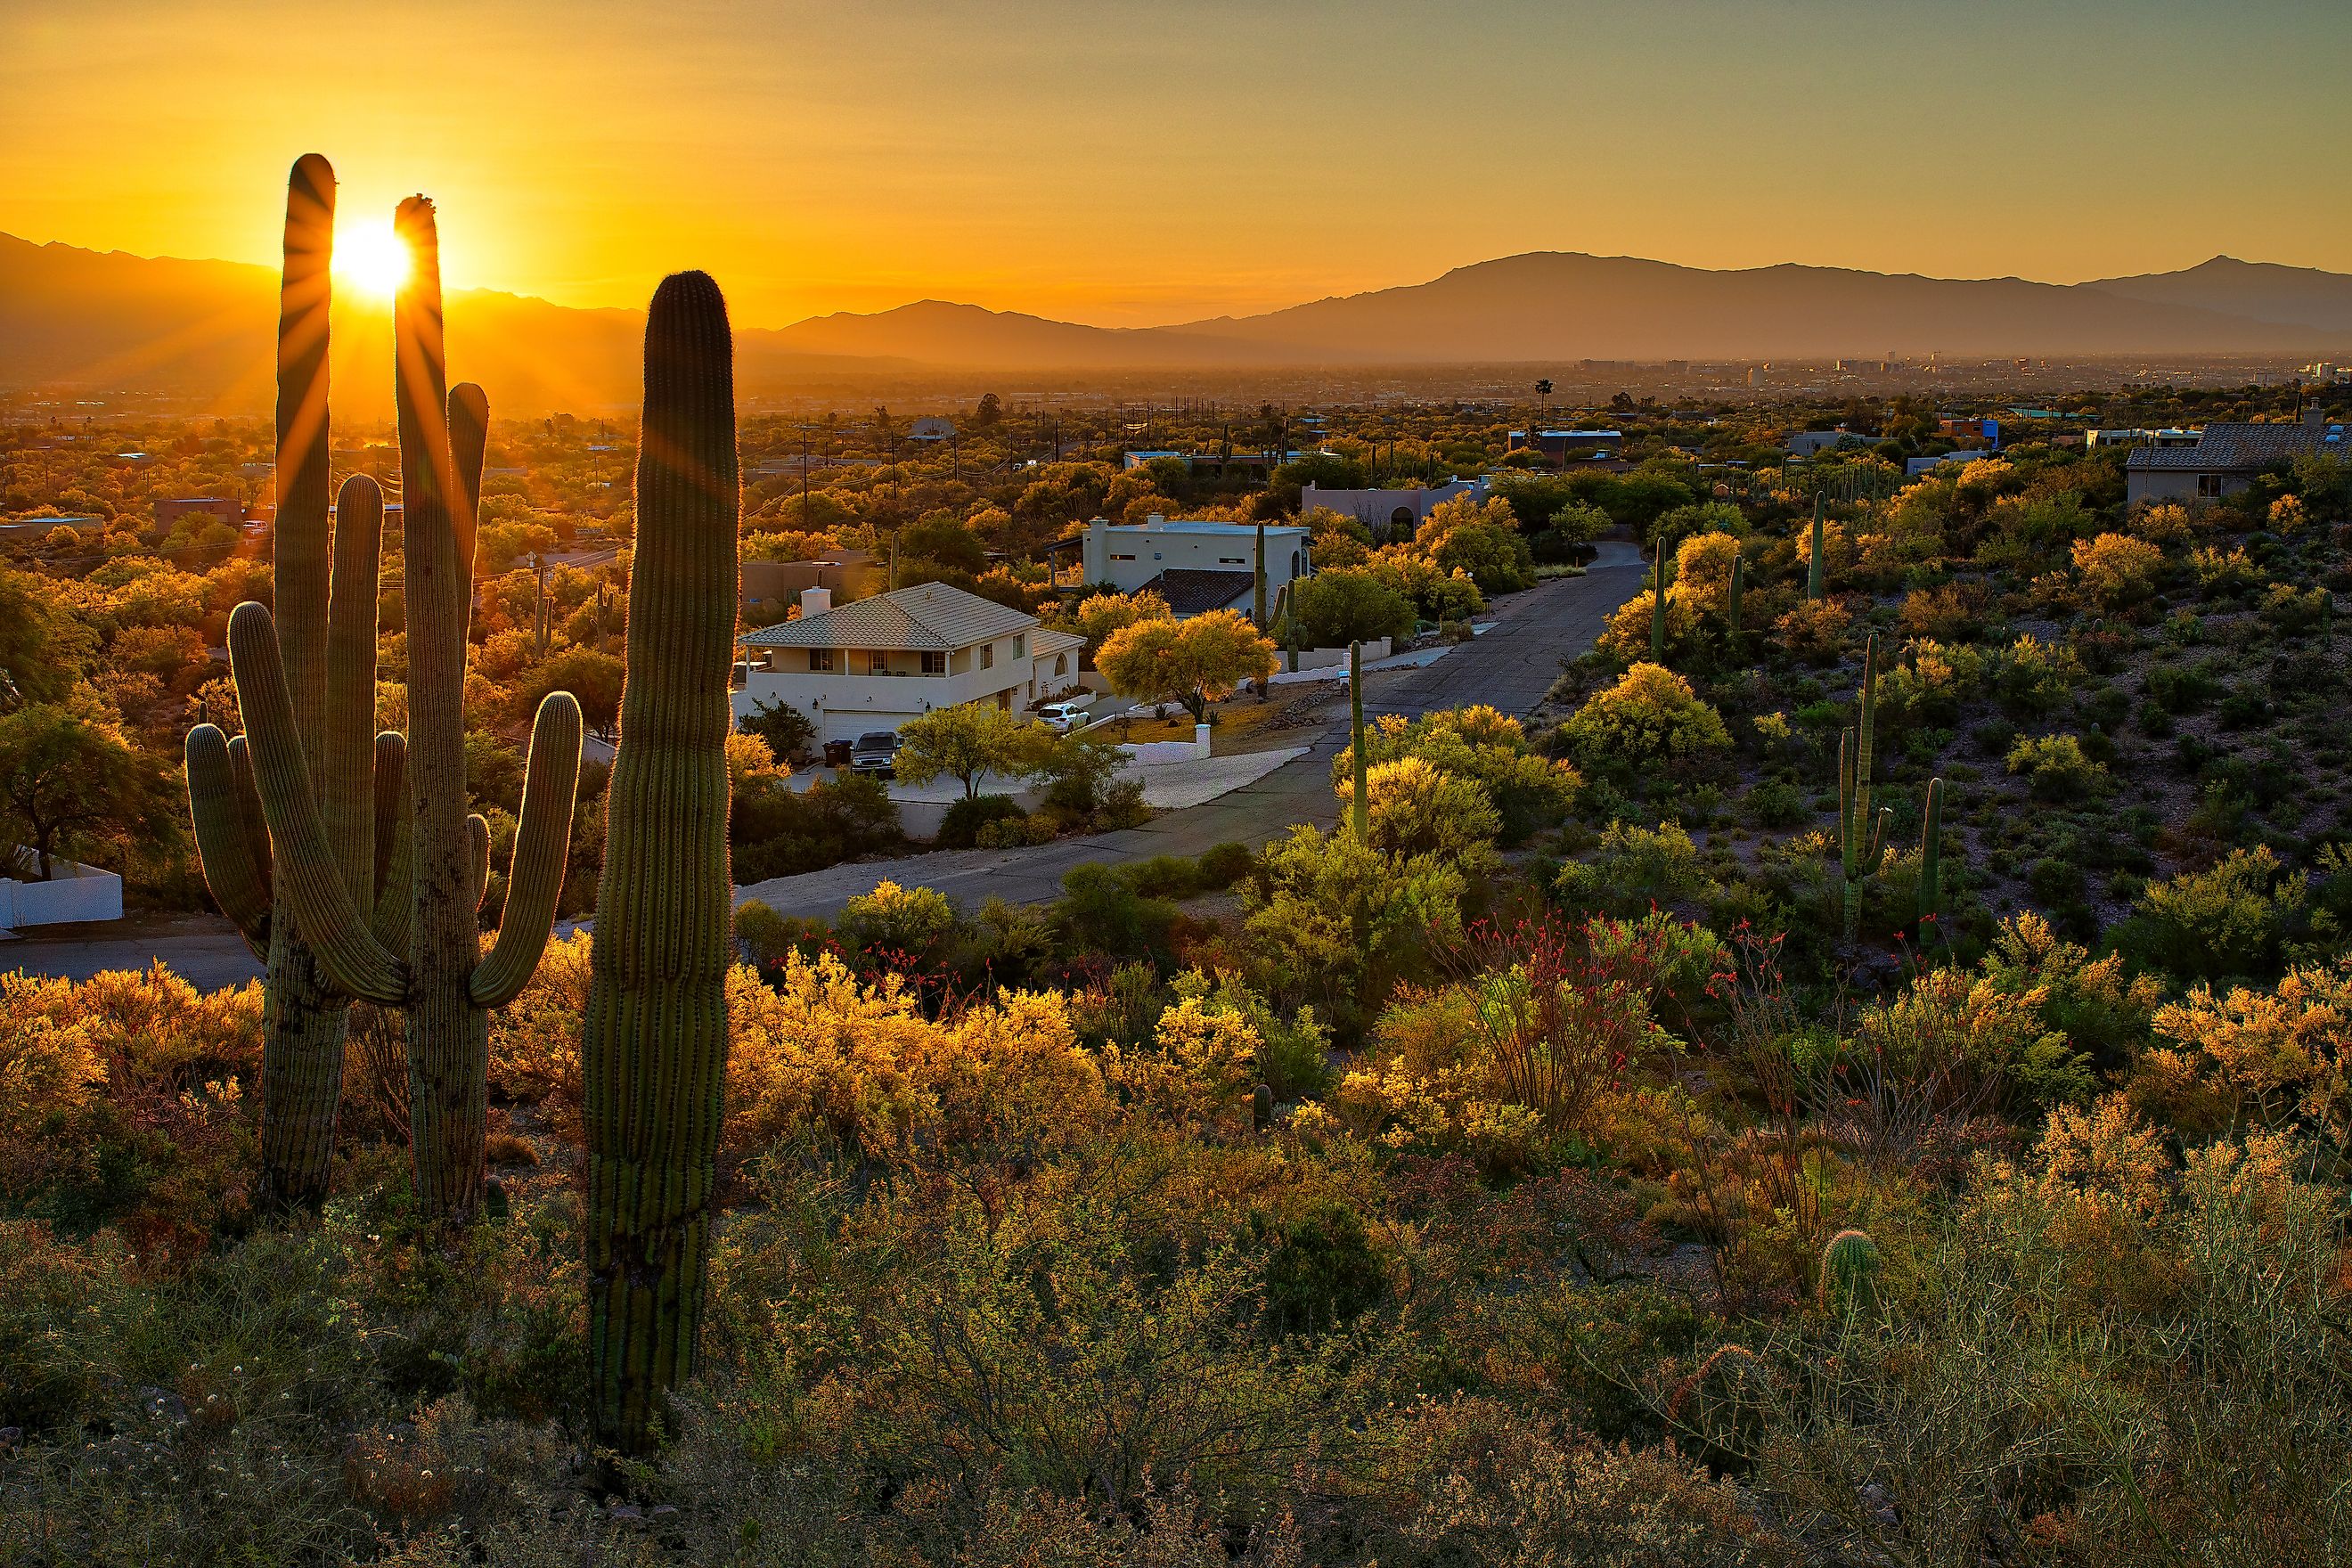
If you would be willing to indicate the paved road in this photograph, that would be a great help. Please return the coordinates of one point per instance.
(1510, 668)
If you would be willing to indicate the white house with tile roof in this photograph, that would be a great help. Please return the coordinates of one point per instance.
(873, 664)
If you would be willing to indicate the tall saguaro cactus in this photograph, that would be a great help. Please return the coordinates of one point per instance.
(416, 945)
(1258, 602)
(1359, 805)
(1862, 837)
(654, 1037)
(1931, 853)
(1731, 599)
(326, 577)
(1814, 568)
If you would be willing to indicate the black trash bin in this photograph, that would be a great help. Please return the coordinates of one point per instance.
(837, 753)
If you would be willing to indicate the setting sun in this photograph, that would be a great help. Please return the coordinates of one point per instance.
(371, 259)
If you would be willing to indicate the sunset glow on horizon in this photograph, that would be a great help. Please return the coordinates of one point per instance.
(1129, 163)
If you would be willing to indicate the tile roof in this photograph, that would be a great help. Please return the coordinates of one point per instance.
(1189, 590)
(2240, 446)
(930, 616)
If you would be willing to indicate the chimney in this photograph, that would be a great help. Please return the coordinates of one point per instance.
(815, 602)
(1154, 520)
(2315, 414)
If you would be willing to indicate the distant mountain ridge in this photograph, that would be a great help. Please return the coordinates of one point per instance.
(74, 319)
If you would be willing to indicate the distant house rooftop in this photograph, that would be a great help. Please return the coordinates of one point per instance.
(1192, 591)
(2241, 446)
(929, 616)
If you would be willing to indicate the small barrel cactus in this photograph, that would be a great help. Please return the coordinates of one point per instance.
(1850, 1273)
(1262, 1107)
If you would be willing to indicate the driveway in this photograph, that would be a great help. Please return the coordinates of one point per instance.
(1509, 667)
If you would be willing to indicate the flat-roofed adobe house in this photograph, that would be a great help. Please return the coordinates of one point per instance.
(1195, 566)
(873, 664)
(2224, 460)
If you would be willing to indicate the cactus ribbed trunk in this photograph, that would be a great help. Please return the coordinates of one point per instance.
(1931, 854)
(304, 1021)
(448, 1037)
(1359, 805)
(1814, 568)
(1738, 581)
(654, 1036)
(1862, 836)
(1258, 601)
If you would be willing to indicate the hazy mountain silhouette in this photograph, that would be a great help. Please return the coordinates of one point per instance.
(937, 332)
(2258, 290)
(1568, 305)
(74, 319)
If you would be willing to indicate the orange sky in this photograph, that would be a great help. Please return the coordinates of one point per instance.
(1130, 161)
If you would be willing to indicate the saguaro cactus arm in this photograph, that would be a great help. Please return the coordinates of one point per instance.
(233, 869)
(1931, 851)
(478, 858)
(542, 851)
(306, 867)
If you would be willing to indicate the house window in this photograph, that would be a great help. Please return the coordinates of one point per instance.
(2209, 484)
(1020, 645)
(821, 660)
(1231, 561)
(935, 664)
(878, 662)
(1122, 558)
(988, 655)
(1062, 664)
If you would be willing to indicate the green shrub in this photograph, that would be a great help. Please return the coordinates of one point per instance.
(2057, 766)
(1650, 715)
(960, 827)
(2230, 919)
(1635, 868)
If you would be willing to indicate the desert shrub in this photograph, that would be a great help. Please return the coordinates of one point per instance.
(2056, 766)
(2034, 678)
(2118, 570)
(1627, 635)
(2230, 919)
(1338, 922)
(1414, 808)
(1814, 629)
(966, 819)
(1223, 865)
(2293, 612)
(1525, 791)
(785, 728)
(1703, 571)
(2182, 687)
(1635, 868)
(1776, 803)
(2277, 1057)
(1951, 613)
(2224, 574)
(1650, 715)
(1101, 910)
(895, 925)
(779, 832)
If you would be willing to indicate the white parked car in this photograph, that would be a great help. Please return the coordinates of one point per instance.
(1064, 717)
